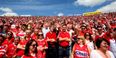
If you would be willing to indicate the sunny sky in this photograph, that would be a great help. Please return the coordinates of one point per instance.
(55, 7)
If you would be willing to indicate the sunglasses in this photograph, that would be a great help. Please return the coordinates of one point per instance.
(87, 34)
(34, 45)
(40, 34)
(9, 34)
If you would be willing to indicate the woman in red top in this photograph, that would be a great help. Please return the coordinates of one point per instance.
(42, 46)
(9, 38)
(21, 47)
(12, 48)
(80, 50)
(30, 49)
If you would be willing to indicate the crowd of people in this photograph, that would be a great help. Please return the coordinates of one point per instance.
(58, 36)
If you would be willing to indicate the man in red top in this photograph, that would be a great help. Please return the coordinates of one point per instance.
(84, 28)
(64, 39)
(51, 40)
(100, 32)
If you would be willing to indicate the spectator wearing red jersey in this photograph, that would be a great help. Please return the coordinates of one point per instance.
(21, 47)
(2, 47)
(9, 38)
(99, 33)
(30, 49)
(51, 40)
(74, 37)
(42, 46)
(80, 49)
(107, 35)
(64, 39)
(12, 47)
(22, 30)
(35, 33)
(83, 29)
(28, 34)
(113, 23)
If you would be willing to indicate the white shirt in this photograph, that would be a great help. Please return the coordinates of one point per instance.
(70, 32)
(90, 45)
(45, 31)
(95, 54)
(113, 46)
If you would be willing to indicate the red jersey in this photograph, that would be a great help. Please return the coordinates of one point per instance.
(14, 30)
(20, 52)
(64, 35)
(99, 36)
(81, 33)
(113, 26)
(2, 50)
(11, 50)
(33, 36)
(41, 44)
(24, 56)
(107, 36)
(7, 42)
(51, 35)
(80, 52)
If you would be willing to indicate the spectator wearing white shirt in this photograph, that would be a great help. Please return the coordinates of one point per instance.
(113, 42)
(102, 49)
(45, 29)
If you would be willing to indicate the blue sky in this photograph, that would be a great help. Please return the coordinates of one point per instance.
(52, 7)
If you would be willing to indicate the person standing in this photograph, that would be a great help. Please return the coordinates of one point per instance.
(21, 47)
(42, 45)
(51, 40)
(80, 49)
(89, 41)
(113, 43)
(64, 39)
(45, 28)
